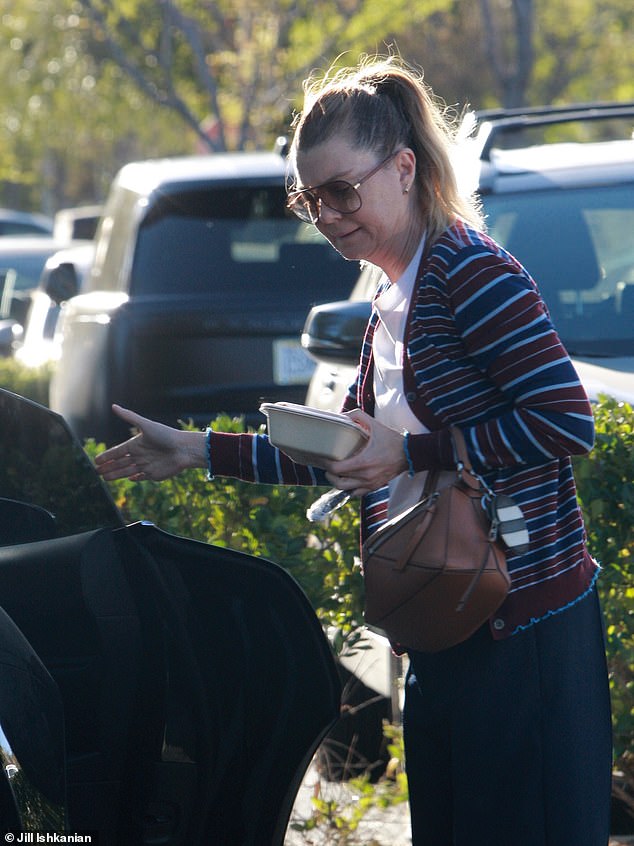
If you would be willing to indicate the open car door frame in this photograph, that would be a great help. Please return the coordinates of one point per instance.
(153, 689)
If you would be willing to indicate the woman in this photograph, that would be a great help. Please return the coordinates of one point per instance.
(508, 734)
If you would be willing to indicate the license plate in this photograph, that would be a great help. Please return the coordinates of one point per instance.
(291, 364)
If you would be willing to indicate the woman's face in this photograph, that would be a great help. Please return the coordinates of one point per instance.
(382, 229)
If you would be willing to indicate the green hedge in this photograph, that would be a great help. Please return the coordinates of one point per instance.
(30, 382)
(605, 482)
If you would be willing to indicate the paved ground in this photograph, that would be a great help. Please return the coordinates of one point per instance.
(389, 827)
(379, 670)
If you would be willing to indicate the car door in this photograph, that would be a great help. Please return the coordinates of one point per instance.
(155, 689)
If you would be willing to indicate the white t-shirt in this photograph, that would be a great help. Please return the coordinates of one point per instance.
(392, 408)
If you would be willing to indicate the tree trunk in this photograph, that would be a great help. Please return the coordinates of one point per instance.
(508, 35)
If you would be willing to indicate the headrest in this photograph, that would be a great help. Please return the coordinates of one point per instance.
(556, 248)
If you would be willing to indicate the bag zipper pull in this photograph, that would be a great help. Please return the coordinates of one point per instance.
(488, 504)
(494, 530)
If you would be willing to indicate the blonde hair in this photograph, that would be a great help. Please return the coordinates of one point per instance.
(383, 105)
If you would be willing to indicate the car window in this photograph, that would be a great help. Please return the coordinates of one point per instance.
(21, 273)
(577, 245)
(43, 466)
(235, 240)
(13, 228)
(25, 270)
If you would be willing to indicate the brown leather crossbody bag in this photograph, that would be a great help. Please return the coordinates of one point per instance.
(435, 573)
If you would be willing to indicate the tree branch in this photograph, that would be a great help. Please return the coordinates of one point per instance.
(191, 30)
(491, 41)
(512, 77)
(170, 98)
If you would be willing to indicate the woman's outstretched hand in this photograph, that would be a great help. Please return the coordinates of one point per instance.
(156, 452)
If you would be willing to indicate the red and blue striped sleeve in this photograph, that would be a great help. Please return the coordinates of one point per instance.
(507, 332)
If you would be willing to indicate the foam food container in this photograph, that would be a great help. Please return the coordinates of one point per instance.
(310, 435)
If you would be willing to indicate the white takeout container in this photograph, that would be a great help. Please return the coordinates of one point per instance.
(309, 435)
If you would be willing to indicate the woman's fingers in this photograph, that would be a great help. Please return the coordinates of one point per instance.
(116, 463)
(129, 416)
(156, 452)
(381, 459)
(119, 453)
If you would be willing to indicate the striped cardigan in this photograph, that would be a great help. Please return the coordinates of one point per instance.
(482, 354)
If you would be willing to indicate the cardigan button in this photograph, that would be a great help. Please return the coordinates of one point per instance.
(411, 396)
(498, 624)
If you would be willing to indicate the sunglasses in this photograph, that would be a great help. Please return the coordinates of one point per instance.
(339, 195)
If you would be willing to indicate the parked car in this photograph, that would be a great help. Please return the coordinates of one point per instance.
(64, 274)
(566, 211)
(16, 223)
(77, 223)
(21, 262)
(197, 296)
(153, 689)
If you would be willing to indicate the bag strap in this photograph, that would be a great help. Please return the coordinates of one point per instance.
(460, 448)
(470, 477)
(431, 483)
(462, 463)
(463, 466)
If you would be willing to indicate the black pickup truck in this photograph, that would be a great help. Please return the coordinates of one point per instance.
(195, 302)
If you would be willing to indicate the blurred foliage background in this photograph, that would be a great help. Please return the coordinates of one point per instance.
(89, 85)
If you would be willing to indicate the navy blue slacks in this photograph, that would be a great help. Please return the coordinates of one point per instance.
(508, 743)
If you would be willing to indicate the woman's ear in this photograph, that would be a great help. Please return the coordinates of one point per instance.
(406, 166)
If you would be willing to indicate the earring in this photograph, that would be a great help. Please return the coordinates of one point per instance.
(406, 189)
